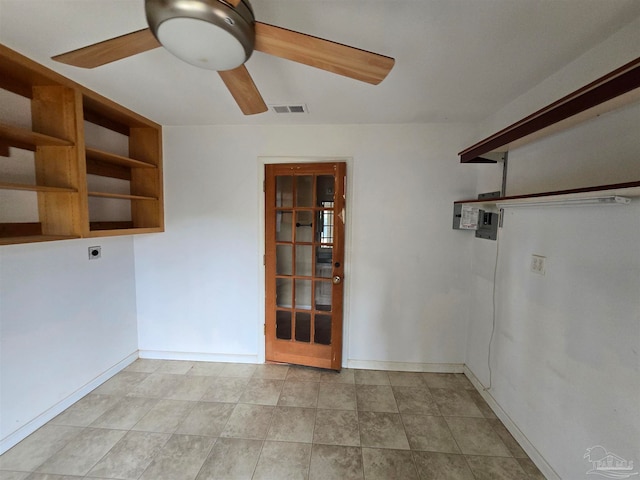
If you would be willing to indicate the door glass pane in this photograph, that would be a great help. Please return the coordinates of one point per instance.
(324, 261)
(324, 225)
(323, 295)
(284, 259)
(304, 260)
(322, 329)
(284, 191)
(304, 226)
(283, 325)
(303, 327)
(324, 189)
(284, 293)
(304, 191)
(283, 226)
(303, 294)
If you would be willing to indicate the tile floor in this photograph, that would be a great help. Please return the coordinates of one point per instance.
(173, 420)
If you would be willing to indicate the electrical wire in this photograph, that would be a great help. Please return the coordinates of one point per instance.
(493, 302)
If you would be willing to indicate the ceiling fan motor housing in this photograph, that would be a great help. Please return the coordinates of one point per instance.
(209, 34)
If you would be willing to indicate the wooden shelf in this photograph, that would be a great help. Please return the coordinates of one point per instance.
(35, 238)
(28, 140)
(629, 189)
(112, 158)
(59, 108)
(119, 196)
(614, 90)
(35, 188)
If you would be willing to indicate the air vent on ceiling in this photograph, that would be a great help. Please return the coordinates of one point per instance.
(296, 108)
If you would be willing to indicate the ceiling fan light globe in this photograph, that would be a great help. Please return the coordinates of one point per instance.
(206, 33)
(201, 44)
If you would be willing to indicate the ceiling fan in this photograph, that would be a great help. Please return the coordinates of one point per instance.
(221, 35)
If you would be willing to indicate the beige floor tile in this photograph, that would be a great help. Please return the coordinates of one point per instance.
(496, 468)
(283, 461)
(530, 469)
(475, 436)
(292, 424)
(442, 466)
(45, 476)
(180, 459)
(206, 418)
(513, 446)
(126, 413)
(86, 410)
(452, 381)
(384, 464)
(483, 406)
(304, 374)
(130, 457)
(299, 394)
(85, 450)
(164, 417)
(206, 369)
(406, 379)
(375, 398)
(274, 372)
(331, 462)
(144, 365)
(174, 367)
(225, 389)
(121, 383)
(371, 377)
(416, 400)
(249, 421)
(243, 370)
(337, 427)
(189, 387)
(455, 403)
(231, 459)
(38, 447)
(382, 430)
(345, 375)
(429, 433)
(156, 385)
(339, 396)
(262, 391)
(6, 475)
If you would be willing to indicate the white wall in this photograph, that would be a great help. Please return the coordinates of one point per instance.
(199, 285)
(66, 325)
(565, 359)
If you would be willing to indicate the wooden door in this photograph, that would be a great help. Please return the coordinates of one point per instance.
(304, 263)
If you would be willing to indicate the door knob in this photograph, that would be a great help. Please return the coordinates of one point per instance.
(337, 279)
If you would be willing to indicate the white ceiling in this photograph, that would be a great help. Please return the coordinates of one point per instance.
(456, 60)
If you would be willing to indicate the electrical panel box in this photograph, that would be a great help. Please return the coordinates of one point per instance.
(487, 225)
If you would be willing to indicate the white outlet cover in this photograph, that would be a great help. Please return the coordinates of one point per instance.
(538, 264)
(95, 253)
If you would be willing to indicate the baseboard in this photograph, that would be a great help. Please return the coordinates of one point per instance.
(199, 357)
(520, 437)
(406, 366)
(30, 427)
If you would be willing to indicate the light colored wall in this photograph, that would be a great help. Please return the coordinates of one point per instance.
(199, 285)
(66, 325)
(564, 357)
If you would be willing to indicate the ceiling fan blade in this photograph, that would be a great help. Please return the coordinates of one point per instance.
(110, 50)
(337, 58)
(243, 90)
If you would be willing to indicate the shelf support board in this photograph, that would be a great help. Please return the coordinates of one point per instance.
(598, 93)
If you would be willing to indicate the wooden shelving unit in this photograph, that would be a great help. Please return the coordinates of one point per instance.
(59, 110)
(616, 89)
(629, 189)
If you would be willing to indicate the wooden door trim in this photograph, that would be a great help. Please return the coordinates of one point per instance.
(262, 161)
(329, 356)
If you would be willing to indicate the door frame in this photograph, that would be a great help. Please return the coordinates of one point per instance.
(265, 160)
